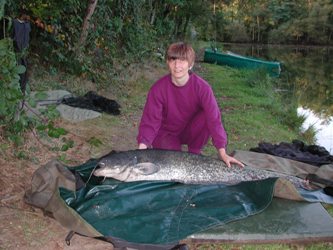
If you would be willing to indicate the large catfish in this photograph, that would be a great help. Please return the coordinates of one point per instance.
(168, 165)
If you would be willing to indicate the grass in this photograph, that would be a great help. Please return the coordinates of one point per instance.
(251, 111)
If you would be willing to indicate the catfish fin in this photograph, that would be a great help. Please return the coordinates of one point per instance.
(146, 168)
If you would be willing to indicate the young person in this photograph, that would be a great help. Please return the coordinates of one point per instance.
(181, 109)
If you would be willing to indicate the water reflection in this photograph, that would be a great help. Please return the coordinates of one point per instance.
(324, 128)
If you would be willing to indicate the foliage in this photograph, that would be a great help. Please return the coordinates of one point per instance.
(309, 23)
(126, 31)
(2, 8)
(10, 95)
(277, 21)
(52, 131)
(237, 32)
(14, 120)
(95, 142)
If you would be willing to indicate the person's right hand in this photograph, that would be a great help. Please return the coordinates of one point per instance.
(142, 146)
(228, 159)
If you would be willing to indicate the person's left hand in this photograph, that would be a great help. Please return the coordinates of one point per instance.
(228, 160)
(142, 146)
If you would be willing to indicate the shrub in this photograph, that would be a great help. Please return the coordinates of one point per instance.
(10, 94)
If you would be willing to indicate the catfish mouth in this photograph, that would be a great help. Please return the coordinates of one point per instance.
(98, 170)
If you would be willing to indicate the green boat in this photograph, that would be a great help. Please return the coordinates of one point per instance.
(238, 61)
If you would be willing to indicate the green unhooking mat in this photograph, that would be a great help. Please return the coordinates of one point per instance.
(143, 213)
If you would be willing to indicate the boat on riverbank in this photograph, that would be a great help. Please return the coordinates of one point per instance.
(234, 60)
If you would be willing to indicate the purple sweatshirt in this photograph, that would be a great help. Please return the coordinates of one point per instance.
(170, 108)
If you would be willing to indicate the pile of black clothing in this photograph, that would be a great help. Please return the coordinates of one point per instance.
(93, 101)
(21, 38)
(298, 151)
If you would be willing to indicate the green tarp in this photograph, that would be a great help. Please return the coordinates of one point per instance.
(142, 212)
(165, 212)
(284, 221)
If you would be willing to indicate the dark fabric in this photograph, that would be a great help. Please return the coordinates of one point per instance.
(21, 37)
(24, 76)
(21, 34)
(298, 151)
(328, 191)
(93, 101)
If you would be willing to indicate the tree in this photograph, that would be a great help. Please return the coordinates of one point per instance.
(318, 23)
(86, 23)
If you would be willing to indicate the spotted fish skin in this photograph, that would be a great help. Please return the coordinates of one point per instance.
(184, 167)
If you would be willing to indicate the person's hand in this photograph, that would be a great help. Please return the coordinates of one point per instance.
(228, 160)
(142, 146)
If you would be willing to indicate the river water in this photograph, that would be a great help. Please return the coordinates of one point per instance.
(308, 72)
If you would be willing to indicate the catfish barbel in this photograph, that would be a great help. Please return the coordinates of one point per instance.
(184, 167)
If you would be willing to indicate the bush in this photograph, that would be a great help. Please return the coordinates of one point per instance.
(13, 119)
(10, 94)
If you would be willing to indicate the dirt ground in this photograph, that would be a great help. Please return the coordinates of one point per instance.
(25, 227)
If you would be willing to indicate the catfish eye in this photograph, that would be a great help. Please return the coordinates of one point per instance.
(101, 164)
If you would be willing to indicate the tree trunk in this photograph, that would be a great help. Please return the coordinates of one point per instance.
(152, 17)
(329, 37)
(187, 20)
(258, 24)
(85, 27)
(152, 12)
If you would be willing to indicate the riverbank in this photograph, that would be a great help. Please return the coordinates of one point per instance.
(251, 113)
(252, 108)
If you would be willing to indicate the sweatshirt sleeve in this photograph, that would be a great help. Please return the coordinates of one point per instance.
(151, 118)
(213, 118)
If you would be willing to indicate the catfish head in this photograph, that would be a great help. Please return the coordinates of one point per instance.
(124, 170)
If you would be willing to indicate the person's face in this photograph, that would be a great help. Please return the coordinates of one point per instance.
(178, 68)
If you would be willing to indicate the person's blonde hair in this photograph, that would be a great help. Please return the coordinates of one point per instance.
(181, 50)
